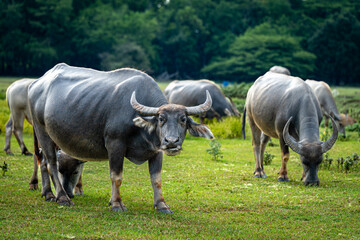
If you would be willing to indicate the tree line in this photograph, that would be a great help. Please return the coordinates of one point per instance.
(234, 40)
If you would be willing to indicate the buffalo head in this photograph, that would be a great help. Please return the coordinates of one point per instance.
(171, 121)
(310, 152)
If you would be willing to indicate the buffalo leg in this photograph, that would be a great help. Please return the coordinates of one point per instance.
(326, 121)
(155, 165)
(46, 185)
(264, 139)
(34, 178)
(49, 150)
(8, 133)
(285, 158)
(116, 155)
(18, 132)
(78, 188)
(256, 142)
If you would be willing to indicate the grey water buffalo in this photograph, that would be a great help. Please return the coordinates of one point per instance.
(286, 108)
(192, 93)
(280, 69)
(95, 115)
(16, 97)
(327, 103)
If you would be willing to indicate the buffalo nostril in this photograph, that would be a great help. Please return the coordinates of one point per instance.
(171, 140)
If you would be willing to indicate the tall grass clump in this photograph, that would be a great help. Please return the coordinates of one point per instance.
(229, 127)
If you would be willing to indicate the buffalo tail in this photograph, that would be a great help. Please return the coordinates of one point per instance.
(243, 123)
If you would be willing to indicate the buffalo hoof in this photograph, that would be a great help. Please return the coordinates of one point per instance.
(27, 153)
(33, 186)
(260, 175)
(117, 206)
(65, 201)
(118, 209)
(165, 210)
(162, 207)
(79, 191)
(49, 197)
(283, 179)
(8, 152)
(316, 184)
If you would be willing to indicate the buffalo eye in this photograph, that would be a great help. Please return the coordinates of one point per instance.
(183, 119)
(162, 120)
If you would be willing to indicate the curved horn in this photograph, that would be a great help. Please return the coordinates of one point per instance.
(325, 146)
(202, 107)
(289, 140)
(141, 108)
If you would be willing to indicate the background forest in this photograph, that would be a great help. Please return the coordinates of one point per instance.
(234, 40)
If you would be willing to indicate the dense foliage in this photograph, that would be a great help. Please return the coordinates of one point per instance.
(222, 40)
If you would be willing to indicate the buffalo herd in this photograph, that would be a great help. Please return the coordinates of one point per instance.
(80, 114)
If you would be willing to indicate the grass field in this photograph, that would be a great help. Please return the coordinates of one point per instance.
(210, 199)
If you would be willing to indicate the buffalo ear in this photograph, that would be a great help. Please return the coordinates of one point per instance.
(198, 130)
(148, 123)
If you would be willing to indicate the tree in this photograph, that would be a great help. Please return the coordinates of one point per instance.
(253, 53)
(337, 46)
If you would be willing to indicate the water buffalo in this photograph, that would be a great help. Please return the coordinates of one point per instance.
(285, 107)
(327, 103)
(347, 120)
(95, 115)
(16, 97)
(280, 69)
(192, 93)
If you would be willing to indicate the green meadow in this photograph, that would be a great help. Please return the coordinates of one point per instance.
(211, 199)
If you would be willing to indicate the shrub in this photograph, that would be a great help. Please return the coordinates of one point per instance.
(238, 90)
(4, 168)
(229, 127)
(327, 161)
(215, 150)
(2, 94)
(349, 163)
(268, 157)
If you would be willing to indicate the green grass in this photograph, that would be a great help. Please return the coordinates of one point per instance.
(211, 199)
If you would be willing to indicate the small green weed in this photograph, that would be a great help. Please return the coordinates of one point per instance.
(327, 161)
(4, 168)
(349, 163)
(215, 150)
(268, 157)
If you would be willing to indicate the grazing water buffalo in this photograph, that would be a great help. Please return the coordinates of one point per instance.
(192, 93)
(285, 107)
(279, 69)
(347, 120)
(16, 97)
(95, 115)
(327, 103)
(69, 169)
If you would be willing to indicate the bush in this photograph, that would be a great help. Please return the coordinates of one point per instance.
(327, 161)
(229, 127)
(237, 90)
(347, 164)
(2, 94)
(268, 157)
(215, 150)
